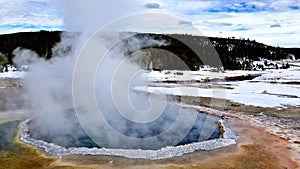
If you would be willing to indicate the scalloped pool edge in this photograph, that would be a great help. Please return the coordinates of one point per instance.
(229, 138)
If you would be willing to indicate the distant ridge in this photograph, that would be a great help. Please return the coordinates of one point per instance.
(228, 49)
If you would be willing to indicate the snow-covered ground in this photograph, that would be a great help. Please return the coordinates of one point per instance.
(12, 74)
(187, 76)
(273, 88)
(291, 75)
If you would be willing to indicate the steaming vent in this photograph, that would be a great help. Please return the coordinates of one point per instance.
(61, 128)
(195, 140)
(76, 136)
(83, 103)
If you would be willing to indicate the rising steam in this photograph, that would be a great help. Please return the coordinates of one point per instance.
(49, 83)
(85, 89)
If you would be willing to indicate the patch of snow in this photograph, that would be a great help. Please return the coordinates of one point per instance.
(13, 74)
(264, 94)
(281, 76)
(274, 88)
(178, 75)
(10, 68)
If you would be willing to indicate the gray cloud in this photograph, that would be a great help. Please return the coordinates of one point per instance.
(212, 24)
(276, 25)
(152, 5)
(185, 23)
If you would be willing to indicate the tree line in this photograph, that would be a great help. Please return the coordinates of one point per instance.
(194, 51)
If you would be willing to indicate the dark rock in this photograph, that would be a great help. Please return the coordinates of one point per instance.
(297, 142)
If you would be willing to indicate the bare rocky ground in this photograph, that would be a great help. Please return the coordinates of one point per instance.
(283, 122)
(12, 95)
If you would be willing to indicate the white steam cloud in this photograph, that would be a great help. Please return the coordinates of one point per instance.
(91, 72)
(49, 83)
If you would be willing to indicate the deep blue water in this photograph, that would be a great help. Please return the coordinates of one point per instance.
(76, 137)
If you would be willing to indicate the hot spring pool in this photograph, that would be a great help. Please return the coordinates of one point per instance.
(204, 135)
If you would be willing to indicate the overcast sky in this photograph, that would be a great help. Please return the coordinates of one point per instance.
(274, 22)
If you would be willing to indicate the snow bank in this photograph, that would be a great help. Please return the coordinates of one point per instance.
(178, 75)
(13, 74)
(274, 88)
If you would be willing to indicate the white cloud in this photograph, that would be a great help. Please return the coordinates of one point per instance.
(27, 15)
(248, 19)
(283, 5)
(257, 26)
